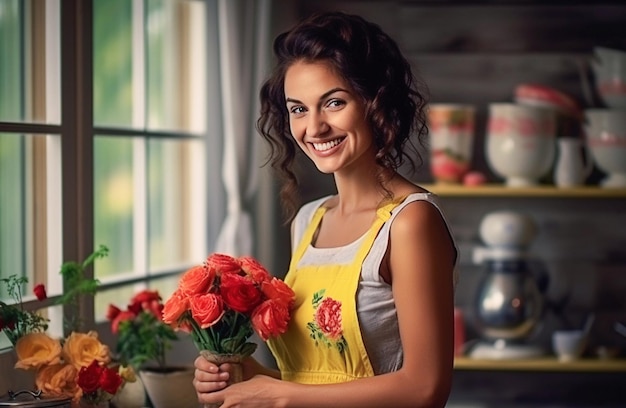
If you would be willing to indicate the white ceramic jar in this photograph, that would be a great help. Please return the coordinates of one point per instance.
(520, 142)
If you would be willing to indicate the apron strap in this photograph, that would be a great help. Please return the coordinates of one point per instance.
(382, 215)
(307, 237)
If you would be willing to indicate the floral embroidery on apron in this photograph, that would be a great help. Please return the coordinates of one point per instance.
(326, 326)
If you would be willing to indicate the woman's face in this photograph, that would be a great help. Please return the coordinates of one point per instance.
(327, 118)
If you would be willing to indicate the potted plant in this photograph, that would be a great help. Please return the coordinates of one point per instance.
(143, 340)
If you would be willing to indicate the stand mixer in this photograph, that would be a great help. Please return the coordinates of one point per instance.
(509, 303)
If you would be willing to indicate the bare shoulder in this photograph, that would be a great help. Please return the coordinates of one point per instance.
(420, 228)
(417, 216)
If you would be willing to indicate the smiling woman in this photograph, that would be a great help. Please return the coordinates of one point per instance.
(372, 265)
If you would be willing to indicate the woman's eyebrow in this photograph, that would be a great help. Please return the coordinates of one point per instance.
(324, 95)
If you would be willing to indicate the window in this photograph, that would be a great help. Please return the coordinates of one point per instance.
(104, 141)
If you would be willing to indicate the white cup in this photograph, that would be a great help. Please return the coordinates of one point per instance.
(569, 345)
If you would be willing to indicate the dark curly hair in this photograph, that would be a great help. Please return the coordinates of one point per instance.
(371, 63)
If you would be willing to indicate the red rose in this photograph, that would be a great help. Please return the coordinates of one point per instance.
(206, 309)
(222, 263)
(146, 296)
(121, 317)
(196, 280)
(174, 308)
(154, 307)
(239, 292)
(270, 319)
(112, 312)
(110, 380)
(89, 377)
(328, 318)
(253, 268)
(40, 291)
(8, 323)
(279, 291)
(148, 300)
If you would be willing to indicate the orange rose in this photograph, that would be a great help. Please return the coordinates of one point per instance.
(270, 319)
(254, 269)
(37, 349)
(196, 280)
(80, 349)
(59, 381)
(278, 290)
(174, 308)
(222, 263)
(206, 309)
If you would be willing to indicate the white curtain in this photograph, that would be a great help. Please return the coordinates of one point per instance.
(244, 46)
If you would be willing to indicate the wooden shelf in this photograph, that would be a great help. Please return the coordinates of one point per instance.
(499, 190)
(541, 364)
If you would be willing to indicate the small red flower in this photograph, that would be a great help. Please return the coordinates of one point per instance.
(89, 377)
(40, 292)
(110, 380)
(112, 312)
(121, 317)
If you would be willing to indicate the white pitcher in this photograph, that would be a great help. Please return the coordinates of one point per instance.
(573, 163)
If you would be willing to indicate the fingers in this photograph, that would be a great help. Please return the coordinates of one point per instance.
(208, 377)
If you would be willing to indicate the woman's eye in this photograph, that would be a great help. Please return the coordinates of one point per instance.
(335, 103)
(297, 110)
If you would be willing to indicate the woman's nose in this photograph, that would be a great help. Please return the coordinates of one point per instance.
(316, 125)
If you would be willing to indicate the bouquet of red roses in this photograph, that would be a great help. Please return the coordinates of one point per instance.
(225, 300)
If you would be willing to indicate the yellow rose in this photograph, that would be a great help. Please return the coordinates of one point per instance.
(59, 381)
(127, 373)
(81, 349)
(37, 349)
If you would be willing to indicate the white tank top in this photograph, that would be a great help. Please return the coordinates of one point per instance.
(376, 308)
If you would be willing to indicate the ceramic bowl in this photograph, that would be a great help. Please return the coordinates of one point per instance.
(605, 131)
(609, 69)
(507, 228)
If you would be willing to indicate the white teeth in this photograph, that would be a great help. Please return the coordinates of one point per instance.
(326, 145)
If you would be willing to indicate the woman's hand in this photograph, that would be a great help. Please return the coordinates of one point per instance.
(208, 377)
(258, 392)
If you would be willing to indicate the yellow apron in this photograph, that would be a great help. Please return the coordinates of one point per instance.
(323, 342)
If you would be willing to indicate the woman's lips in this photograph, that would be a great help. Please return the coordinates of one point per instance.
(324, 147)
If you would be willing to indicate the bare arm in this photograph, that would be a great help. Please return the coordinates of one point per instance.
(421, 262)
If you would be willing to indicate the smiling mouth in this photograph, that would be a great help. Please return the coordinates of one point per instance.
(322, 147)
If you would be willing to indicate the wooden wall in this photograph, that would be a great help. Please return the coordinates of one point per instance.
(477, 52)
